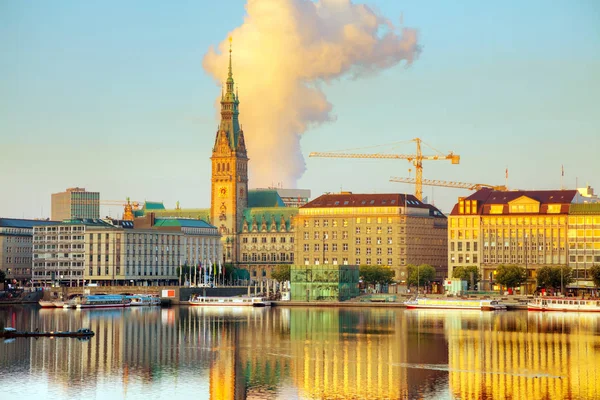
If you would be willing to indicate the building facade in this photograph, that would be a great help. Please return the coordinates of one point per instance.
(16, 238)
(371, 229)
(75, 203)
(493, 228)
(583, 237)
(107, 252)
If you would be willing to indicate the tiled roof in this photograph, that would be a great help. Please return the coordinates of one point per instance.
(268, 213)
(24, 223)
(365, 200)
(264, 198)
(181, 222)
(487, 197)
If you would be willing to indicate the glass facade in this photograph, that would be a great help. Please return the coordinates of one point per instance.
(323, 282)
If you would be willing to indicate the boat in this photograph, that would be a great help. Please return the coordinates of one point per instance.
(9, 332)
(143, 300)
(564, 304)
(58, 303)
(46, 304)
(463, 304)
(98, 301)
(196, 300)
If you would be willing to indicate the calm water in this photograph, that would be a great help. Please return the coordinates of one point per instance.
(294, 353)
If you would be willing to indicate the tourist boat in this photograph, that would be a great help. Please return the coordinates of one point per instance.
(563, 304)
(12, 333)
(463, 304)
(228, 301)
(98, 301)
(58, 303)
(143, 300)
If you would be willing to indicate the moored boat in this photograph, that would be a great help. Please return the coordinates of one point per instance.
(98, 301)
(143, 300)
(464, 304)
(564, 304)
(228, 301)
(46, 303)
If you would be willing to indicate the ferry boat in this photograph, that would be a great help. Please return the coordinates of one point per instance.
(465, 304)
(563, 304)
(228, 301)
(143, 300)
(98, 301)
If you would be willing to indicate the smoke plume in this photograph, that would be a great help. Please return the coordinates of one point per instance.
(281, 53)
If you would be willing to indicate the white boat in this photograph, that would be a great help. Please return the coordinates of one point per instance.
(228, 301)
(464, 304)
(564, 304)
(143, 300)
(58, 303)
(46, 303)
(98, 301)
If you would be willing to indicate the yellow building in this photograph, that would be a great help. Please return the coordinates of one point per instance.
(371, 229)
(583, 241)
(526, 228)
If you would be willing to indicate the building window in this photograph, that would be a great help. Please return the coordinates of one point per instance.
(305, 235)
(306, 223)
(389, 251)
(345, 247)
(325, 223)
(344, 223)
(368, 251)
(368, 261)
(357, 261)
(334, 247)
(357, 240)
(316, 235)
(345, 235)
(334, 235)
(316, 246)
(316, 223)
(358, 230)
(389, 261)
(306, 248)
(368, 240)
(357, 251)
(379, 262)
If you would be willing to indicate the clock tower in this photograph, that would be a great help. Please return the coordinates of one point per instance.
(229, 182)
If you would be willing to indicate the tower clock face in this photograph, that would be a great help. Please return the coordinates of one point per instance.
(223, 191)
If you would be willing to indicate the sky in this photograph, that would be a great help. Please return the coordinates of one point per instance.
(121, 97)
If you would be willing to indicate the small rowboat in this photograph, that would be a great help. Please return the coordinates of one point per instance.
(12, 333)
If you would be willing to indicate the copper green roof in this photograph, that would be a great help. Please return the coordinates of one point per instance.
(181, 222)
(585, 208)
(268, 213)
(264, 198)
(153, 205)
(196, 213)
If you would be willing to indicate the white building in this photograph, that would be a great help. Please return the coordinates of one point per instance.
(105, 252)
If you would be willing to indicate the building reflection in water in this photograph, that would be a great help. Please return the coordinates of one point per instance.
(533, 355)
(239, 353)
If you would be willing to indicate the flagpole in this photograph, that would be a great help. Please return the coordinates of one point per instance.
(562, 176)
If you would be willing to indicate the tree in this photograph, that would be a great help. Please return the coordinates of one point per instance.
(420, 275)
(464, 273)
(550, 277)
(374, 274)
(281, 273)
(595, 273)
(510, 275)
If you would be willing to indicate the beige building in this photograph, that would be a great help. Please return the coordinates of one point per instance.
(80, 252)
(371, 229)
(526, 228)
(75, 203)
(583, 237)
(16, 248)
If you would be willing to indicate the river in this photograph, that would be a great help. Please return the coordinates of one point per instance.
(301, 353)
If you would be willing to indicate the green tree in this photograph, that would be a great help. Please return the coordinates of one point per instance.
(374, 274)
(420, 275)
(595, 273)
(281, 273)
(510, 275)
(465, 273)
(550, 277)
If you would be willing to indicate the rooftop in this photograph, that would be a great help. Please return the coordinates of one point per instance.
(182, 222)
(24, 223)
(348, 199)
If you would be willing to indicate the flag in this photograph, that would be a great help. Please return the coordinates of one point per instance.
(562, 170)
(506, 173)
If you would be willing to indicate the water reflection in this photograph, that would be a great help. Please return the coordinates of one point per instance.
(315, 353)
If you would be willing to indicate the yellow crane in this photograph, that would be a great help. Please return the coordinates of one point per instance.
(450, 184)
(122, 203)
(415, 159)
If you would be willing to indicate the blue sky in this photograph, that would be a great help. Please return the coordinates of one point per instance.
(112, 96)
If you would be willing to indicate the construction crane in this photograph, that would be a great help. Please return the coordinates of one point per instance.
(415, 159)
(450, 184)
(122, 203)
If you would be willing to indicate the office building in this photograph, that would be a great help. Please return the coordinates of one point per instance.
(75, 203)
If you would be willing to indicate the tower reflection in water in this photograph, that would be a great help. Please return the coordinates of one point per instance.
(526, 355)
